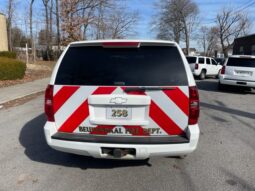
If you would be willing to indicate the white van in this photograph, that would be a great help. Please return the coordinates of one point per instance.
(122, 99)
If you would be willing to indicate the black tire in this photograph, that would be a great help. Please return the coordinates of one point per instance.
(202, 75)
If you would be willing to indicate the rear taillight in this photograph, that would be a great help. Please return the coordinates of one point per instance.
(48, 103)
(196, 66)
(223, 70)
(193, 105)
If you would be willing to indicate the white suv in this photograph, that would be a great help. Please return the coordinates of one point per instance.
(203, 66)
(239, 70)
(123, 100)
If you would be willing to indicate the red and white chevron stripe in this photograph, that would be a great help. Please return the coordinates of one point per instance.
(168, 110)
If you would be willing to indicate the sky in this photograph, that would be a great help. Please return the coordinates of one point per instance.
(147, 11)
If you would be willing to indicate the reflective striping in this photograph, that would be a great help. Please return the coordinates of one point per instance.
(80, 114)
(152, 123)
(163, 120)
(56, 89)
(169, 108)
(104, 90)
(73, 103)
(184, 90)
(63, 95)
(76, 118)
(179, 98)
(118, 90)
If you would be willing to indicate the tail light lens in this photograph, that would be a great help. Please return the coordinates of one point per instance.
(196, 66)
(223, 70)
(48, 103)
(193, 105)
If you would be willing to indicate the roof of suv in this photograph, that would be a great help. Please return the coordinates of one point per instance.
(122, 40)
(242, 56)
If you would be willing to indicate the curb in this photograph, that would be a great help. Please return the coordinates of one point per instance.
(22, 96)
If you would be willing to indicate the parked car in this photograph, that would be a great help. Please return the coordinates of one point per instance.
(239, 70)
(122, 99)
(203, 66)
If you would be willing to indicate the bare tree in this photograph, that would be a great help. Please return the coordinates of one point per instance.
(57, 24)
(115, 23)
(208, 39)
(50, 22)
(177, 18)
(10, 14)
(212, 40)
(31, 29)
(202, 38)
(231, 25)
(45, 3)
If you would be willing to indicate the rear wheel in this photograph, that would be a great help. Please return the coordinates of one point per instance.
(202, 75)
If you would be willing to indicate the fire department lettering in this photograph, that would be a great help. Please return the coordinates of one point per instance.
(119, 130)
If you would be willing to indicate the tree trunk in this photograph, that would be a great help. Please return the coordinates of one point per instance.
(51, 22)
(47, 30)
(31, 29)
(186, 32)
(57, 23)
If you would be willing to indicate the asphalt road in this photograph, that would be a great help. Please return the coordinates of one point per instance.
(224, 159)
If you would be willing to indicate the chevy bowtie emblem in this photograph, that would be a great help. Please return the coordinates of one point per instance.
(118, 100)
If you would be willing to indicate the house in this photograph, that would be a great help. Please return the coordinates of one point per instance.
(3, 33)
(192, 51)
(244, 45)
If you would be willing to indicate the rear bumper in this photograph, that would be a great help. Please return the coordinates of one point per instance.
(143, 150)
(196, 72)
(236, 82)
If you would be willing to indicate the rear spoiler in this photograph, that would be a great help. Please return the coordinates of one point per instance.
(121, 44)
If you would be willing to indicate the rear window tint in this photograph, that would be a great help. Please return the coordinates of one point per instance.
(241, 62)
(191, 60)
(144, 66)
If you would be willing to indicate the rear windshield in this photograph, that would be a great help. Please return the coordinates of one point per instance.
(241, 62)
(191, 60)
(144, 66)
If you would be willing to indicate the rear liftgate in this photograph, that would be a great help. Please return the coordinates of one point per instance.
(114, 114)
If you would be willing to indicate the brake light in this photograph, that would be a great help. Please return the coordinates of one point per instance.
(196, 66)
(48, 103)
(223, 70)
(193, 105)
(121, 44)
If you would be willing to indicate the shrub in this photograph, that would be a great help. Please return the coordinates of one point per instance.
(8, 54)
(11, 69)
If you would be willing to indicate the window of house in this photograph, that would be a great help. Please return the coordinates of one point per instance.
(241, 50)
(253, 49)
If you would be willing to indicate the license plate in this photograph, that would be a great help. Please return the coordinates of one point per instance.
(118, 113)
(246, 73)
